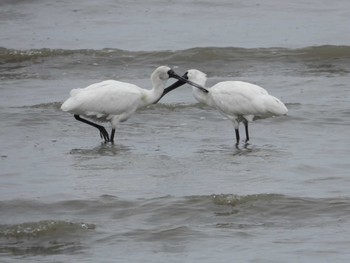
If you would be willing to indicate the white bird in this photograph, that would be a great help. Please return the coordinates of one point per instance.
(115, 101)
(238, 101)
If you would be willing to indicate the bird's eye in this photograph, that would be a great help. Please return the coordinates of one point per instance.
(171, 72)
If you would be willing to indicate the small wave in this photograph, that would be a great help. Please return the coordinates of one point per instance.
(197, 54)
(47, 105)
(234, 200)
(13, 55)
(43, 228)
(43, 237)
(177, 233)
(159, 105)
(176, 106)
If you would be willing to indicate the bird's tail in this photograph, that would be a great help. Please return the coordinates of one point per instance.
(275, 106)
(70, 103)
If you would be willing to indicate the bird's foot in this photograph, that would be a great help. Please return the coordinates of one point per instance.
(104, 134)
(245, 142)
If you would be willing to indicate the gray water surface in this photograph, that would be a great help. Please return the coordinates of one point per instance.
(174, 187)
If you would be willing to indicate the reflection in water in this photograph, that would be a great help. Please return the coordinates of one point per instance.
(267, 150)
(245, 149)
(103, 157)
(105, 149)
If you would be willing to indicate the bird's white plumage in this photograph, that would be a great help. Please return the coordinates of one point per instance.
(237, 100)
(104, 100)
(113, 100)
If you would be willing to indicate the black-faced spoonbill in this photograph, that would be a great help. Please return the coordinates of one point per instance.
(238, 101)
(115, 101)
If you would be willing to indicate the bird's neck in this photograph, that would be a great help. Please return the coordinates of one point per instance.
(151, 96)
(201, 96)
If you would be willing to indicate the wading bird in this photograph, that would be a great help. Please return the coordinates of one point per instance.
(114, 101)
(238, 101)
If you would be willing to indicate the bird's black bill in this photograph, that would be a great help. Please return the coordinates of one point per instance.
(181, 81)
(175, 85)
(184, 78)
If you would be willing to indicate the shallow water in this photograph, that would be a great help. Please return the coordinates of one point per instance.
(174, 187)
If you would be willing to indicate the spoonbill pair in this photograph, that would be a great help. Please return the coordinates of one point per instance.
(115, 101)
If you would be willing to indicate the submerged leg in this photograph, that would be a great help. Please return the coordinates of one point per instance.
(112, 136)
(103, 132)
(246, 130)
(236, 125)
(237, 136)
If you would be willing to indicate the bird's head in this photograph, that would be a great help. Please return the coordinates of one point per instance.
(164, 72)
(196, 76)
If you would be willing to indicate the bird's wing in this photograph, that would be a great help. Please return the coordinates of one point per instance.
(236, 98)
(104, 98)
(245, 99)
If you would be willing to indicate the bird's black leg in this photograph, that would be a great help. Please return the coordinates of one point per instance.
(237, 136)
(246, 130)
(103, 132)
(112, 136)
